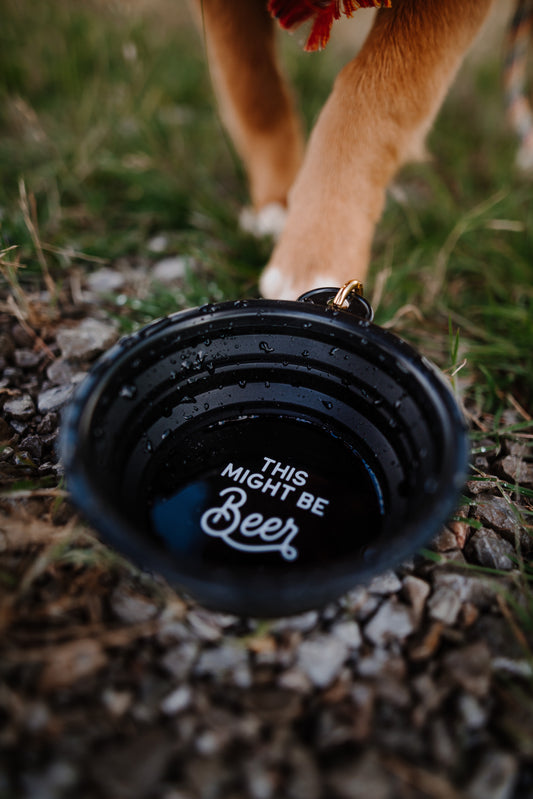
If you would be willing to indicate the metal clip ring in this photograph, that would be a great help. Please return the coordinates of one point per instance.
(345, 291)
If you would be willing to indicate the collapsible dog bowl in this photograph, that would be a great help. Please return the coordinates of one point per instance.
(265, 456)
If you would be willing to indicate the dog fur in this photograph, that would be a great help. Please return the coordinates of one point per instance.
(380, 110)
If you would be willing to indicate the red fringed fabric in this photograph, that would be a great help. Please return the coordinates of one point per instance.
(291, 13)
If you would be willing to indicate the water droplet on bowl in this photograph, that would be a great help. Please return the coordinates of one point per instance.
(265, 346)
(128, 392)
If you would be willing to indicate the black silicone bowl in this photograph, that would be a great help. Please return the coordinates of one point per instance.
(265, 456)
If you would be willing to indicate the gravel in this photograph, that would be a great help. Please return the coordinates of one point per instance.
(418, 684)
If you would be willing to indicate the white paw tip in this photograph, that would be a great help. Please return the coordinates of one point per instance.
(272, 283)
(278, 285)
(268, 221)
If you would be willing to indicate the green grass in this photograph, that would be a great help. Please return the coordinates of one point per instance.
(107, 116)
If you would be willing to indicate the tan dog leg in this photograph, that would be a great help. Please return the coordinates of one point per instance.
(255, 104)
(381, 107)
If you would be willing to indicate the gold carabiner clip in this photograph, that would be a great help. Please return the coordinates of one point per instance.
(345, 291)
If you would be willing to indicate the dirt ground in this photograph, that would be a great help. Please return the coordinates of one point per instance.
(112, 685)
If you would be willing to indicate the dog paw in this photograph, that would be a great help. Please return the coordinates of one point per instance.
(268, 221)
(277, 284)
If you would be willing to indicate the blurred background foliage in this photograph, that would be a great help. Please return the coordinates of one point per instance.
(108, 123)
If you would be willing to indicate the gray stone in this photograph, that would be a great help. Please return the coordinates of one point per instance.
(22, 336)
(470, 588)
(444, 605)
(53, 399)
(349, 633)
(158, 243)
(495, 777)
(368, 607)
(516, 668)
(20, 408)
(294, 679)
(517, 470)
(130, 607)
(360, 603)
(416, 591)
(393, 621)
(491, 550)
(303, 622)
(473, 713)
(19, 426)
(225, 620)
(497, 513)
(179, 660)
(33, 446)
(451, 591)
(518, 448)
(6, 453)
(117, 702)
(89, 338)
(445, 541)
(171, 269)
(221, 661)
(105, 281)
(321, 658)
(476, 487)
(470, 667)
(48, 424)
(373, 664)
(384, 584)
(204, 625)
(27, 359)
(177, 701)
(171, 631)
(431, 694)
(60, 372)
(355, 598)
